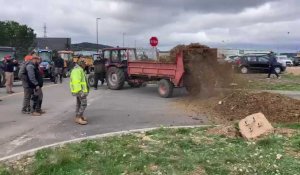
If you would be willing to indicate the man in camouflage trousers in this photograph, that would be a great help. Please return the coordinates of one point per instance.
(79, 88)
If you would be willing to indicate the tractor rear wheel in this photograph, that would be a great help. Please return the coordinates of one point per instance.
(165, 88)
(91, 80)
(115, 78)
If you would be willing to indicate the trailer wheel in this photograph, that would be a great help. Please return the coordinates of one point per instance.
(165, 88)
(91, 80)
(115, 78)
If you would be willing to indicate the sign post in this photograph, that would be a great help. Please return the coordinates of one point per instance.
(154, 43)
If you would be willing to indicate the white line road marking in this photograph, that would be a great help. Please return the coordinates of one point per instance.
(19, 93)
(18, 142)
(97, 136)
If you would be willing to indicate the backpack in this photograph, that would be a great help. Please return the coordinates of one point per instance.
(22, 71)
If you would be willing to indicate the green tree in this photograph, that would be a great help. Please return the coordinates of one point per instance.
(13, 34)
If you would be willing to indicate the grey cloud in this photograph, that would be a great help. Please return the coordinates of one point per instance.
(261, 23)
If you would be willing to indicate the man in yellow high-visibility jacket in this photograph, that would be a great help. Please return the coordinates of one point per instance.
(79, 88)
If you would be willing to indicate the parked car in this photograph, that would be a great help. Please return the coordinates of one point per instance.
(296, 61)
(256, 63)
(283, 59)
(231, 59)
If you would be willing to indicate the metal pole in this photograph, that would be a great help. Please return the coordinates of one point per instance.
(123, 39)
(97, 33)
(134, 43)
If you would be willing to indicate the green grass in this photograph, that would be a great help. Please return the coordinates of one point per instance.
(289, 125)
(288, 82)
(273, 86)
(168, 151)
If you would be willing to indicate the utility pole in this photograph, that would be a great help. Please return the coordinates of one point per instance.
(45, 30)
(97, 33)
(134, 43)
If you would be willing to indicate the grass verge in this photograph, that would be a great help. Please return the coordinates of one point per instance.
(168, 151)
(287, 82)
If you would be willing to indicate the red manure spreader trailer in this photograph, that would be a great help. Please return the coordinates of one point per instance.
(123, 65)
(168, 75)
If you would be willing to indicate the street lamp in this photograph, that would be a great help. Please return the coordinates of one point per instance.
(97, 33)
(123, 38)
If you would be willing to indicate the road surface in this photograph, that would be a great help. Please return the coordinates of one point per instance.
(107, 111)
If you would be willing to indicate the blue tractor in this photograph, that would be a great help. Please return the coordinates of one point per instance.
(46, 65)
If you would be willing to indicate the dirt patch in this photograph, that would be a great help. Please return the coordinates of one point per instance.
(285, 132)
(293, 153)
(277, 108)
(293, 70)
(198, 171)
(226, 130)
(235, 105)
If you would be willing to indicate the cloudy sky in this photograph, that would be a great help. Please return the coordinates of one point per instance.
(260, 24)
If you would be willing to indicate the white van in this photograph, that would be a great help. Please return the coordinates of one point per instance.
(283, 59)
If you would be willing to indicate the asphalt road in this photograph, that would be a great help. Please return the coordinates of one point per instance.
(107, 111)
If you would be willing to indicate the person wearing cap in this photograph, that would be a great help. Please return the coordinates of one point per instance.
(80, 89)
(9, 65)
(35, 84)
(29, 56)
(272, 63)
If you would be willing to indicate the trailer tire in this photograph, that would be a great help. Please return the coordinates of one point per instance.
(115, 78)
(165, 88)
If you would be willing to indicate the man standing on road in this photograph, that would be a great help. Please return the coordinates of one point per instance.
(27, 90)
(79, 88)
(272, 63)
(99, 71)
(58, 68)
(9, 65)
(35, 84)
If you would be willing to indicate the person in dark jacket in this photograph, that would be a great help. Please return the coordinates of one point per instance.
(58, 69)
(35, 83)
(9, 65)
(27, 90)
(272, 63)
(99, 70)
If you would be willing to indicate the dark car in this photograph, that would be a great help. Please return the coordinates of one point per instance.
(258, 63)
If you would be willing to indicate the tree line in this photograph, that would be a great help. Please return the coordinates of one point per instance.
(21, 37)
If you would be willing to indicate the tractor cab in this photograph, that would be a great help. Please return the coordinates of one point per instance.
(118, 57)
(67, 56)
(45, 55)
(116, 61)
(46, 65)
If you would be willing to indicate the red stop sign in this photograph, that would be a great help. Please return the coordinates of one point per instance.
(153, 41)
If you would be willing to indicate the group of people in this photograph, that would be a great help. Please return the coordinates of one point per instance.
(8, 66)
(32, 82)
